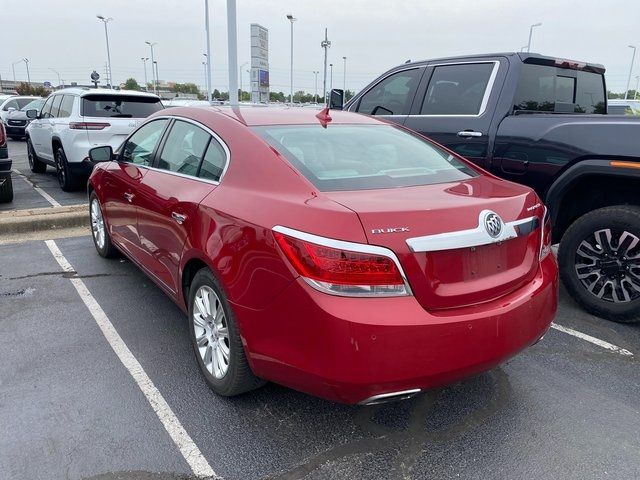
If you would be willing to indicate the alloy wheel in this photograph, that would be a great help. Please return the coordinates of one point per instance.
(211, 331)
(30, 154)
(60, 171)
(97, 224)
(607, 264)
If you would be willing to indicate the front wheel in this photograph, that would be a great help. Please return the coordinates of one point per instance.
(99, 232)
(216, 339)
(599, 262)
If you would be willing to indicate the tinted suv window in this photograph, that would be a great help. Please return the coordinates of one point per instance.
(550, 89)
(364, 157)
(457, 89)
(393, 95)
(140, 146)
(183, 148)
(66, 106)
(119, 106)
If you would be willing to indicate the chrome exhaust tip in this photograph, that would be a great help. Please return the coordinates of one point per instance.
(390, 397)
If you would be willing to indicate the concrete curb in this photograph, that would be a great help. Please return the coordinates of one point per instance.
(42, 219)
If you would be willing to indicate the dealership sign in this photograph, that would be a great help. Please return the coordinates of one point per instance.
(259, 63)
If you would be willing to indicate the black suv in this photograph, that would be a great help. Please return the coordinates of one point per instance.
(6, 187)
(542, 122)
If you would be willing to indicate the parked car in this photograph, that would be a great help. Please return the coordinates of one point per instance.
(6, 186)
(623, 107)
(73, 120)
(17, 120)
(11, 103)
(539, 121)
(337, 255)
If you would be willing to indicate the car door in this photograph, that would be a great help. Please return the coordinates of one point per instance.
(391, 97)
(185, 171)
(48, 127)
(455, 104)
(121, 182)
(39, 130)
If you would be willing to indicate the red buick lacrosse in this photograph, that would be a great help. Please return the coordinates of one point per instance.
(330, 252)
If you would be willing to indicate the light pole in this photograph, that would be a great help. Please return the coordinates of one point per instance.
(153, 76)
(58, 74)
(530, 34)
(144, 65)
(325, 44)
(106, 36)
(26, 62)
(232, 51)
(633, 57)
(157, 76)
(635, 92)
(315, 95)
(208, 39)
(330, 79)
(241, 67)
(206, 75)
(291, 19)
(206, 87)
(344, 76)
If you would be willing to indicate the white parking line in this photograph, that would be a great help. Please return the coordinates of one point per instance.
(46, 196)
(172, 425)
(594, 340)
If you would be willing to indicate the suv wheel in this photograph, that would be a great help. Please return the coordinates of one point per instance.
(600, 262)
(6, 188)
(65, 178)
(35, 164)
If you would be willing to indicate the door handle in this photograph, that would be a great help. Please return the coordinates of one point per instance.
(129, 197)
(178, 217)
(469, 133)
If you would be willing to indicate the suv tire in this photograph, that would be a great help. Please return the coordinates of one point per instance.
(6, 188)
(599, 262)
(35, 164)
(237, 377)
(65, 179)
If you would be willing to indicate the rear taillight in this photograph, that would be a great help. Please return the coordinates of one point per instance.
(342, 268)
(3, 135)
(88, 125)
(545, 235)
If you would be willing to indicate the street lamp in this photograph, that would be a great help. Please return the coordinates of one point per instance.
(58, 74)
(153, 77)
(206, 28)
(344, 76)
(292, 19)
(330, 79)
(325, 44)
(157, 76)
(530, 34)
(26, 62)
(315, 95)
(206, 75)
(206, 85)
(106, 36)
(633, 57)
(144, 65)
(241, 67)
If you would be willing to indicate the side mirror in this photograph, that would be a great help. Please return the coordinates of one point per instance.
(380, 110)
(11, 109)
(336, 99)
(32, 114)
(103, 153)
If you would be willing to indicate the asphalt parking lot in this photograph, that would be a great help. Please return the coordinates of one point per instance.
(70, 408)
(35, 190)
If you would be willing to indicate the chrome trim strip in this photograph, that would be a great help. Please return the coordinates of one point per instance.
(343, 245)
(473, 237)
(387, 397)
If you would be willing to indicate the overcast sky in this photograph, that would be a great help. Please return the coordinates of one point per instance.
(374, 35)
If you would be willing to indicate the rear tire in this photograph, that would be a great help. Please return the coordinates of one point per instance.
(216, 333)
(599, 262)
(66, 180)
(35, 164)
(6, 189)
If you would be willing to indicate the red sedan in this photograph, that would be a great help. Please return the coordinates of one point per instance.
(332, 253)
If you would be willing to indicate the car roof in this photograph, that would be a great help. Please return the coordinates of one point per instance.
(84, 91)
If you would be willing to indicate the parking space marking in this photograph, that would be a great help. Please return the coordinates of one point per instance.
(594, 340)
(47, 197)
(189, 450)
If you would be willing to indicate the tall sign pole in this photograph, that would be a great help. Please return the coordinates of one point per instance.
(232, 39)
(206, 26)
(325, 44)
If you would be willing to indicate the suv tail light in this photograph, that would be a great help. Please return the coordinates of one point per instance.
(342, 268)
(3, 135)
(88, 125)
(545, 235)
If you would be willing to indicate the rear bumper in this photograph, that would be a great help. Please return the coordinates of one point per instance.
(351, 349)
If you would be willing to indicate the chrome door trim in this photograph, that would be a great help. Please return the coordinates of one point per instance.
(473, 237)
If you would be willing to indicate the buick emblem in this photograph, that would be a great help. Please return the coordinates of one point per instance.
(493, 224)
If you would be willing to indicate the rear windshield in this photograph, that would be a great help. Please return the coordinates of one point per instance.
(559, 90)
(119, 106)
(363, 157)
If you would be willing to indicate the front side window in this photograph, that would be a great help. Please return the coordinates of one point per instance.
(364, 157)
(66, 106)
(457, 89)
(139, 147)
(33, 105)
(46, 109)
(393, 95)
(119, 106)
(11, 104)
(184, 148)
(55, 106)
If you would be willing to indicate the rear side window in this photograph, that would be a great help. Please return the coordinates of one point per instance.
(140, 146)
(457, 89)
(214, 162)
(550, 89)
(391, 96)
(66, 106)
(364, 157)
(183, 149)
(124, 106)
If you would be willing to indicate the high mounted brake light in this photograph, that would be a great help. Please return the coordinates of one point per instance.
(359, 270)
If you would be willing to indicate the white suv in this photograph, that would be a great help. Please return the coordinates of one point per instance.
(74, 120)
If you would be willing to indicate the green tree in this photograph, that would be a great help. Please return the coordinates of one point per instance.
(131, 84)
(190, 88)
(216, 93)
(25, 88)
